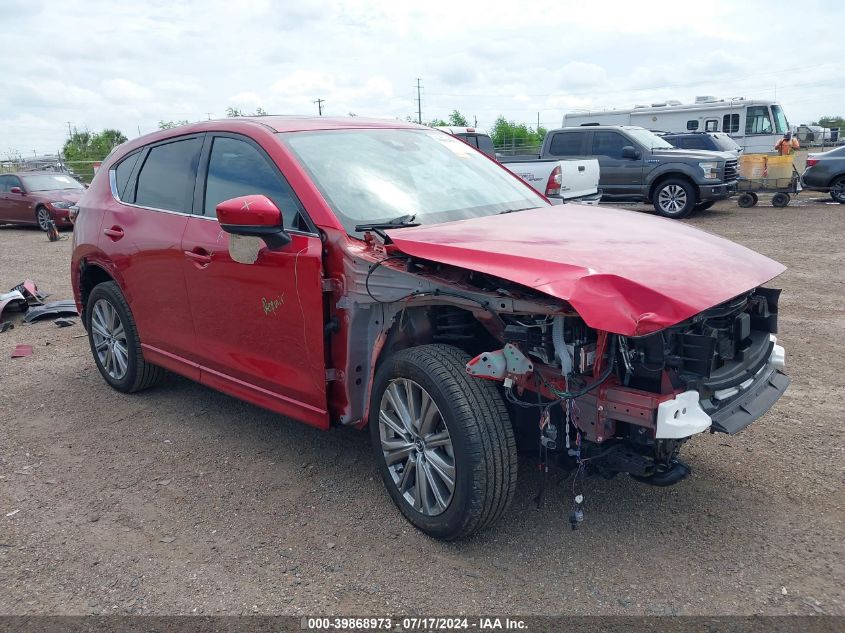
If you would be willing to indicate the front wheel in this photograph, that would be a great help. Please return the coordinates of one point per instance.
(43, 217)
(443, 441)
(674, 198)
(837, 190)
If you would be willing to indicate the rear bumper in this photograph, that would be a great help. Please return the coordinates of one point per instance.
(814, 181)
(717, 192)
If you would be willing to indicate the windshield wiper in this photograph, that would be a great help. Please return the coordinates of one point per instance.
(397, 222)
(515, 210)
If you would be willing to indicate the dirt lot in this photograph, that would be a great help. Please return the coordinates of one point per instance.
(182, 500)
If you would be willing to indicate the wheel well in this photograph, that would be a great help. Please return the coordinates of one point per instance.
(835, 178)
(672, 176)
(91, 276)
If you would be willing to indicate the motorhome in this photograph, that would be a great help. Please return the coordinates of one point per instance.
(756, 125)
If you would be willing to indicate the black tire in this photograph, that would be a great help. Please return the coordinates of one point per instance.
(703, 206)
(780, 200)
(139, 374)
(482, 440)
(672, 192)
(837, 190)
(746, 200)
(42, 217)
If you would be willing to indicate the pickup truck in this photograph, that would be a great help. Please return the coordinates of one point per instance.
(637, 165)
(383, 275)
(558, 180)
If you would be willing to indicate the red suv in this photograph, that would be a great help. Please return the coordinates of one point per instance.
(383, 274)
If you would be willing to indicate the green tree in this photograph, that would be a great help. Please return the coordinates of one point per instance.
(457, 119)
(233, 112)
(831, 121)
(516, 138)
(83, 149)
(166, 125)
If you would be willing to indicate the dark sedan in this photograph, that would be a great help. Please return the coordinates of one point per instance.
(38, 197)
(826, 172)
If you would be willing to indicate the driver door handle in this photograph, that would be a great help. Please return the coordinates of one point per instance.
(115, 233)
(201, 257)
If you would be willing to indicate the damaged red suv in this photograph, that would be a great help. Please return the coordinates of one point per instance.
(385, 275)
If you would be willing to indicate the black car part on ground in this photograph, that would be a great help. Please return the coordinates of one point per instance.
(66, 307)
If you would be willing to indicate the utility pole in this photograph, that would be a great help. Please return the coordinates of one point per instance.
(320, 103)
(68, 128)
(476, 120)
(419, 103)
(538, 121)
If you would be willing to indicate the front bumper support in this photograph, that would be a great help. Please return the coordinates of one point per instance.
(753, 403)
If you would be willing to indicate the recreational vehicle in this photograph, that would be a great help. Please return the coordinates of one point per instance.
(756, 125)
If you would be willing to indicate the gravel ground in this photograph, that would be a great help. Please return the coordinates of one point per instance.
(183, 500)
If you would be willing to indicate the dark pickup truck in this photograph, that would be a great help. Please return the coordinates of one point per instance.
(637, 165)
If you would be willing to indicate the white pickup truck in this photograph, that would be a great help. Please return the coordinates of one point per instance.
(567, 179)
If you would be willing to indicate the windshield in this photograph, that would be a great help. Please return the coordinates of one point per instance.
(49, 182)
(781, 125)
(648, 139)
(376, 175)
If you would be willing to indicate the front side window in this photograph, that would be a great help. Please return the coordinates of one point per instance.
(566, 144)
(757, 120)
(236, 168)
(730, 123)
(608, 144)
(377, 175)
(692, 124)
(781, 124)
(50, 182)
(166, 180)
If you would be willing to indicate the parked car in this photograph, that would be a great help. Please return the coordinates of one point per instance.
(826, 172)
(38, 197)
(353, 272)
(637, 165)
(558, 180)
(713, 141)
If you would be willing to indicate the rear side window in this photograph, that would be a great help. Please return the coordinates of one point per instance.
(237, 168)
(167, 178)
(566, 144)
(123, 171)
(607, 143)
(5, 184)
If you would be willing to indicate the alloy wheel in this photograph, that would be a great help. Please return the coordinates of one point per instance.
(43, 217)
(417, 447)
(109, 337)
(672, 199)
(837, 191)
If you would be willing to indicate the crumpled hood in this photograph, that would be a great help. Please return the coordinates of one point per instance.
(623, 271)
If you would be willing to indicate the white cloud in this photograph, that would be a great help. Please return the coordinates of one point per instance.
(129, 65)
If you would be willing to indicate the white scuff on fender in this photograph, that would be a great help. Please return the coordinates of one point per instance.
(680, 417)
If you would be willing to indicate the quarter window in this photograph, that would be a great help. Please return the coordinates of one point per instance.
(692, 124)
(607, 143)
(123, 171)
(757, 120)
(167, 178)
(730, 123)
(566, 144)
(236, 168)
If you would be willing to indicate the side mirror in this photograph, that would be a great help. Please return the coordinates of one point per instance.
(254, 216)
(629, 151)
(16, 190)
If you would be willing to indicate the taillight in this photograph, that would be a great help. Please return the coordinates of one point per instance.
(812, 161)
(553, 184)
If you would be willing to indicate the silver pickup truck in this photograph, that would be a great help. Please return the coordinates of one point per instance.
(557, 179)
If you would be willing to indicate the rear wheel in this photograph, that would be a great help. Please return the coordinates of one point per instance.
(780, 200)
(443, 442)
(837, 190)
(115, 343)
(674, 198)
(43, 217)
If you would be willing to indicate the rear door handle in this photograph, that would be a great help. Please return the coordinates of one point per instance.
(115, 233)
(201, 257)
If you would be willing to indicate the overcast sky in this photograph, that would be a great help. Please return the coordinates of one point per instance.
(130, 64)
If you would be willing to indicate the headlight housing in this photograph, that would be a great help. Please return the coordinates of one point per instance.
(710, 169)
(61, 204)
